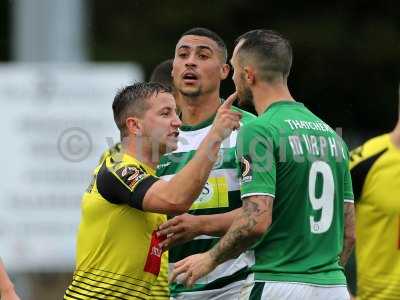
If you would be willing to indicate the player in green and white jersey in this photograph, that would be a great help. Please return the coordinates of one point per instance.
(198, 68)
(298, 212)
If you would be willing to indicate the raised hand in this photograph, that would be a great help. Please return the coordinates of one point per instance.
(226, 120)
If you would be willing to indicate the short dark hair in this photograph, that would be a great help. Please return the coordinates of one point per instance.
(272, 52)
(201, 31)
(162, 73)
(132, 100)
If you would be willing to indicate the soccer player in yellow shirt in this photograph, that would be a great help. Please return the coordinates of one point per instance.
(118, 252)
(375, 170)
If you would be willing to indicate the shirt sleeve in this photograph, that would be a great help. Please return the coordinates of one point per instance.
(126, 185)
(255, 153)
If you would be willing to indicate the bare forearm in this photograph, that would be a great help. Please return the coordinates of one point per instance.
(177, 195)
(251, 222)
(349, 236)
(189, 182)
(218, 224)
(347, 249)
(238, 238)
(253, 219)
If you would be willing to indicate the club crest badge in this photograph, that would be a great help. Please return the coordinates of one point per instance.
(246, 172)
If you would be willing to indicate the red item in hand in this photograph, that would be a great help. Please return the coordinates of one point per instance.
(153, 261)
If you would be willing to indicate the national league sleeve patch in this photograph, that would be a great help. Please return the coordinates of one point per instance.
(246, 172)
(131, 175)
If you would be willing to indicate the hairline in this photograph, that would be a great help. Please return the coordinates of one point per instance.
(148, 102)
(223, 51)
(241, 57)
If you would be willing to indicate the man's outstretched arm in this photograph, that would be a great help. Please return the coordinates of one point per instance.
(186, 227)
(253, 220)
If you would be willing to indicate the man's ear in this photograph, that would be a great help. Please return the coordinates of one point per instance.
(134, 126)
(225, 71)
(249, 75)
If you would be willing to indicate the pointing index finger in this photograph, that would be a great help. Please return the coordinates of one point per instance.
(228, 102)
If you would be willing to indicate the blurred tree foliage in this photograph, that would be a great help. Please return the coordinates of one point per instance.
(346, 66)
(346, 53)
(4, 31)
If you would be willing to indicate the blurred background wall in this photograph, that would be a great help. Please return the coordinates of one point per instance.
(61, 62)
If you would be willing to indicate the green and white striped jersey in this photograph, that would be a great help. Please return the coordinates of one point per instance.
(220, 194)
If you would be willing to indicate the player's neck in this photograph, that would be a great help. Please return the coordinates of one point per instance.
(195, 110)
(395, 135)
(141, 150)
(265, 95)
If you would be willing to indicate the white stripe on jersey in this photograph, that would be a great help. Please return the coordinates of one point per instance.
(227, 268)
(191, 140)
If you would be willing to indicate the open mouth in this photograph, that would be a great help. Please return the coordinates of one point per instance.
(190, 77)
(174, 134)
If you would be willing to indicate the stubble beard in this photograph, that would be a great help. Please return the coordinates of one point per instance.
(246, 97)
(191, 94)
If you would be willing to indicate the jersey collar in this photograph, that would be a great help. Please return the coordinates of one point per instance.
(274, 105)
(202, 124)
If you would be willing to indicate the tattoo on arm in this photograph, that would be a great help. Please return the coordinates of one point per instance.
(241, 234)
(349, 239)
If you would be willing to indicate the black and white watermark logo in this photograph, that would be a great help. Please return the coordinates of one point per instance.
(74, 144)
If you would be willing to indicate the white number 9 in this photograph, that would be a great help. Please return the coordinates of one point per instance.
(325, 201)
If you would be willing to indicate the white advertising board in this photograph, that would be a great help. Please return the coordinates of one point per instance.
(55, 122)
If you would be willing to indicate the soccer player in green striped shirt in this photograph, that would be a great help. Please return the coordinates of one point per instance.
(297, 214)
(198, 68)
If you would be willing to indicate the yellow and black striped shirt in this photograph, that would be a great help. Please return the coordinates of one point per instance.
(114, 236)
(375, 170)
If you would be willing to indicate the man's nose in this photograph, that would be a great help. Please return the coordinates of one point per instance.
(176, 122)
(191, 61)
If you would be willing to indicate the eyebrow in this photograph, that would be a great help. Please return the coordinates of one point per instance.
(167, 107)
(199, 46)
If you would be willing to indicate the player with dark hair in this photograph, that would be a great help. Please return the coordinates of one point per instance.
(207, 33)
(297, 213)
(118, 252)
(162, 73)
(199, 67)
